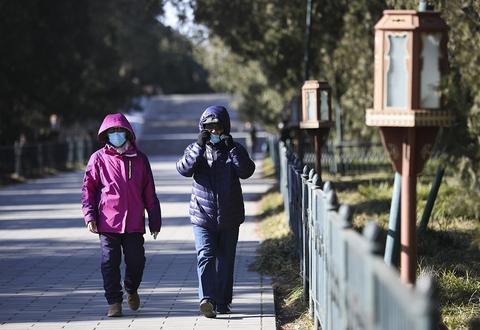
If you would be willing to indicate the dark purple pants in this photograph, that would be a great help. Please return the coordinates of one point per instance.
(134, 253)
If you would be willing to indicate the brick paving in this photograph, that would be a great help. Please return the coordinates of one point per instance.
(50, 265)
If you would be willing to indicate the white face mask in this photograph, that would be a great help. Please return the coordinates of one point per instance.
(117, 139)
(214, 138)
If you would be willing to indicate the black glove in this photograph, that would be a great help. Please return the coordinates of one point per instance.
(228, 140)
(203, 137)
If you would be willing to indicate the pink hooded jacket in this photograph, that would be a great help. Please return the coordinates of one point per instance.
(117, 188)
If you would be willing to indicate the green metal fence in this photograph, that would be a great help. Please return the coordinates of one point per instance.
(32, 160)
(346, 281)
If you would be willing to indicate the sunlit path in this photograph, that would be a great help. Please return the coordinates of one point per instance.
(50, 265)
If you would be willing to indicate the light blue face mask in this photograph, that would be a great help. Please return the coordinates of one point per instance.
(117, 139)
(214, 138)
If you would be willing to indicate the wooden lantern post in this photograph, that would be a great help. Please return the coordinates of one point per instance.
(410, 60)
(317, 115)
(295, 110)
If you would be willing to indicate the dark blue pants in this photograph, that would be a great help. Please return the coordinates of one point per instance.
(215, 263)
(134, 254)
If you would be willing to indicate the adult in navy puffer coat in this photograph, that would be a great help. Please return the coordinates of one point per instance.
(216, 163)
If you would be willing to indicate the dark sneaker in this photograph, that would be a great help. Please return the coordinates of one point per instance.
(224, 309)
(115, 310)
(207, 308)
(133, 301)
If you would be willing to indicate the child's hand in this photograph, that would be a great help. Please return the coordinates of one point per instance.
(154, 234)
(92, 227)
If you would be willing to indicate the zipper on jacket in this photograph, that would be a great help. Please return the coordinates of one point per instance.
(214, 164)
(127, 200)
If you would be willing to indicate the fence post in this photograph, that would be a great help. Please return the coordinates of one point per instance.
(373, 235)
(331, 205)
(292, 188)
(40, 168)
(80, 151)
(311, 234)
(317, 292)
(298, 204)
(289, 190)
(274, 147)
(345, 213)
(284, 179)
(429, 312)
(88, 149)
(18, 151)
(70, 152)
(331, 196)
(305, 238)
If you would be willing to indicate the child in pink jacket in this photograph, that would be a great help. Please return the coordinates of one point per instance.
(117, 189)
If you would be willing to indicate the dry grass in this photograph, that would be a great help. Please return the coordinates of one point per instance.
(277, 258)
(450, 248)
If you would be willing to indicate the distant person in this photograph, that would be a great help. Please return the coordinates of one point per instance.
(117, 188)
(251, 138)
(216, 163)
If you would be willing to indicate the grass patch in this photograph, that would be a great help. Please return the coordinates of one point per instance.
(268, 168)
(450, 250)
(271, 205)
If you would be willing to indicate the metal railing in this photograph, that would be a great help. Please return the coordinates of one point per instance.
(346, 282)
(32, 160)
(344, 158)
(350, 158)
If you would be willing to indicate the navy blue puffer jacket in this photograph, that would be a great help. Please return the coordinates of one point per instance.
(217, 201)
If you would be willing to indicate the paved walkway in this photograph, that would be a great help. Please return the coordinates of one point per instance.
(50, 265)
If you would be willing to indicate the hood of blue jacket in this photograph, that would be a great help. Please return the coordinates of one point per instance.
(219, 112)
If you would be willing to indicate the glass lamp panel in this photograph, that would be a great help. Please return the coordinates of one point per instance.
(311, 105)
(324, 111)
(397, 75)
(430, 75)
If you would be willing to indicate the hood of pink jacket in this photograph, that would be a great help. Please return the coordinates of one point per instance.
(115, 120)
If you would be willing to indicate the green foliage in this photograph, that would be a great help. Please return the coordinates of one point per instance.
(245, 80)
(351, 69)
(262, 48)
(462, 87)
(264, 31)
(83, 59)
(264, 42)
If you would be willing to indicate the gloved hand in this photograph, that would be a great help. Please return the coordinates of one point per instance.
(154, 234)
(228, 140)
(203, 137)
